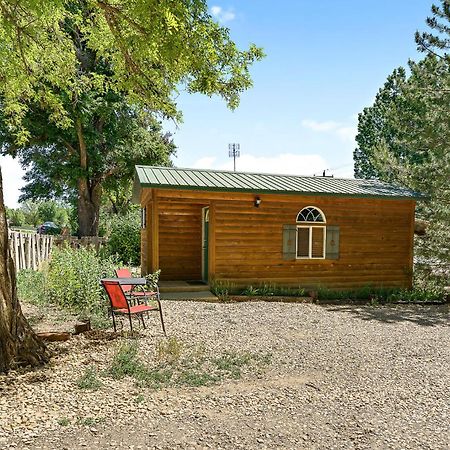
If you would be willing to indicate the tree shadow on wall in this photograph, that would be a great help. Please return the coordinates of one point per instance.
(429, 316)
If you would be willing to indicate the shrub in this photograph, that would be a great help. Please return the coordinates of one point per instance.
(73, 279)
(124, 238)
(269, 289)
(32, 286)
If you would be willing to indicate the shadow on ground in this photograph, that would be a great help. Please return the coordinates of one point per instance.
(436, 315)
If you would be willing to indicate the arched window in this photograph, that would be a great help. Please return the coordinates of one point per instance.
(311, 214)
(311, 233)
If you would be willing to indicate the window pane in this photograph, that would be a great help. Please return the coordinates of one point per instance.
(303, 242)
(317, 242)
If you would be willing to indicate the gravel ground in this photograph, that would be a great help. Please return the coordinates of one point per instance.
(339, 377)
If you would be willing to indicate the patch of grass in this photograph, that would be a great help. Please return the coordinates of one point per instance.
(63, 421)
(178, 364)
(231, 364)
(365, 293)
(90, 421)
(125, 362)
(89, 380)
(196, 379)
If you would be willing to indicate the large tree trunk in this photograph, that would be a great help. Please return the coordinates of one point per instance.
(89, 198)
(19, 345)
(89, 192)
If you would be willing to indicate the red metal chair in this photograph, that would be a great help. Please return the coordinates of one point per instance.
(128, 288)
(120, 305)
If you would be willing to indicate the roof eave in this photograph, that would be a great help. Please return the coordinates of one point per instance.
(415, 196)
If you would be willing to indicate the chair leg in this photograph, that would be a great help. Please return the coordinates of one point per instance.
(131, 325)
(162, 318)
(114, 321)
(142, 318)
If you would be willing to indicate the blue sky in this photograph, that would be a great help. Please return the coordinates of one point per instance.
(325, 62)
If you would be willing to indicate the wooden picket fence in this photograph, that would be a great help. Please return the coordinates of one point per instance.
(74, 242)
(29, 250)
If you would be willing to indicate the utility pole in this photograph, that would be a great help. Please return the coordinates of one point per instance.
(234, 152)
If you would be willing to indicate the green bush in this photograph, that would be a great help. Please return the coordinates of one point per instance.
(32, 286)
(73, 279)
(124, 238)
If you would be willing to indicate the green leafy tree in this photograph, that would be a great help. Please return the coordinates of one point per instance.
(16, 217)
(52, 55)
(117, 137)
(31, 211)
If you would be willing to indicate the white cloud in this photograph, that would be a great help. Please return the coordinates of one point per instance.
(205, 163)
(346, 133)
(12, 175)
(284, 163)
(320, 126)
(222, 15)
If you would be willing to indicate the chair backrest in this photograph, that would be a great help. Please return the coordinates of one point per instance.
(115, 294)
(124, 273)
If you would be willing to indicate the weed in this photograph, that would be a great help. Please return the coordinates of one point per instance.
(231, 363)
(64, 421)
(89, 379)
(177, 364)
(222, 289)
(154, 378)
(169, 351)
(90, 421)
(32, 286)
(125, 362)
(250, 291)
(196, 379)
(99, 321)
(139, 399)
(270, 289)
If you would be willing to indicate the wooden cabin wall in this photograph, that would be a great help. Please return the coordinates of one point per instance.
(246, 242)
(180, 238)
(375, 243)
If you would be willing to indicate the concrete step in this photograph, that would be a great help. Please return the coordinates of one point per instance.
(199, 295)
(182, 286)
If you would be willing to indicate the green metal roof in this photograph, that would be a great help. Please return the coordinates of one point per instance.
(261, 183)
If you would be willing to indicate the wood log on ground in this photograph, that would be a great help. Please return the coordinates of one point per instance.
(52, 336)
(82, 327)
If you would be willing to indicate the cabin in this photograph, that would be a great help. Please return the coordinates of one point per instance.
(293, 231)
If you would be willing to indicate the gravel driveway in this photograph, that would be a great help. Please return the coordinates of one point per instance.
(339, 377)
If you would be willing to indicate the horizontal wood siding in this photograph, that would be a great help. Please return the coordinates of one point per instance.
(180, 234)
(375, 239)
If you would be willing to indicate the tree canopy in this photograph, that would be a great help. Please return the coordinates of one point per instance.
(404, 137)
(150, 48)
(83, 80)
(73, 63)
